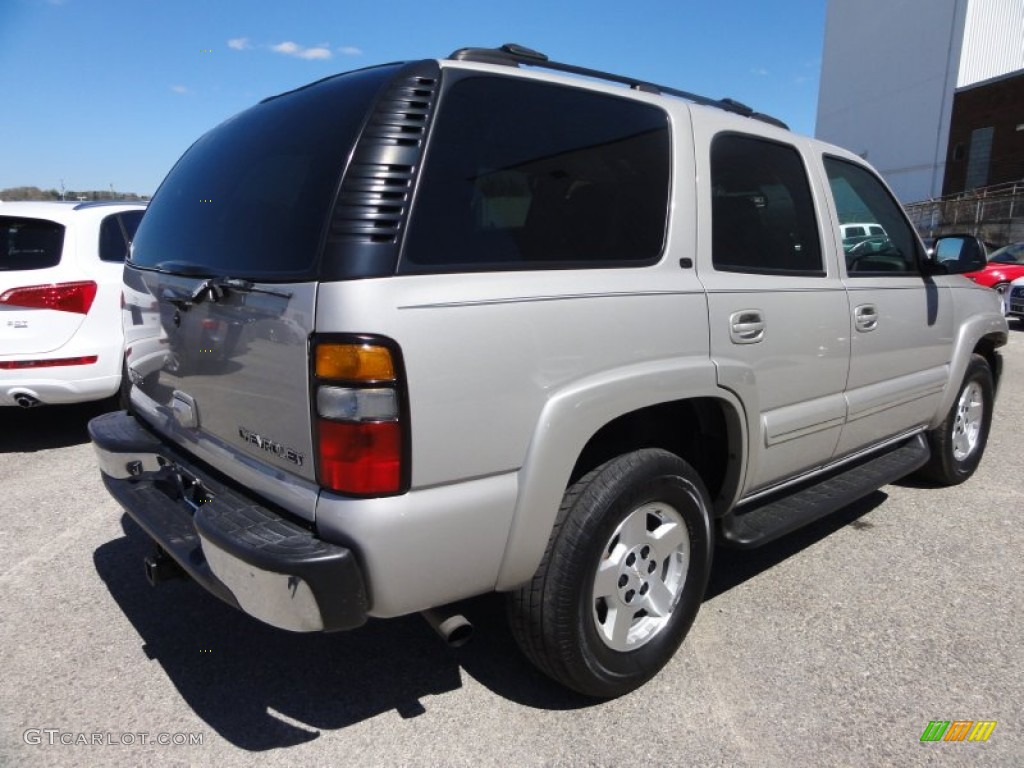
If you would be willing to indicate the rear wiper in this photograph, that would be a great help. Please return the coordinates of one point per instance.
(212, 288)
(216, 288)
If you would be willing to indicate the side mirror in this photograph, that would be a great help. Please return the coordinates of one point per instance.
(955, 255)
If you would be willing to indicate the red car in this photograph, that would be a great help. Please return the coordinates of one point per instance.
(1004, 266)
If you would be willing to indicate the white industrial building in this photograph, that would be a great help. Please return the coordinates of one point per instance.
(891, 72)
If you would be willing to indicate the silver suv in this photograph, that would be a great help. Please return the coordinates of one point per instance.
(435, 329)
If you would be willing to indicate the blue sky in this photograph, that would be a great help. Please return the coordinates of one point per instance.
(111, 92)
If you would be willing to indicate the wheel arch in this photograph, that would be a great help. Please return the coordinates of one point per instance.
(600, 417)
(982, 335)
(986, 347)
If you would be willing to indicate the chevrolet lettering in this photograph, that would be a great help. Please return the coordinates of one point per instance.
(290, 454)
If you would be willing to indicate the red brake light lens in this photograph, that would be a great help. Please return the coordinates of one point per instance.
(65, 297)
(361, 457)
(57, 362)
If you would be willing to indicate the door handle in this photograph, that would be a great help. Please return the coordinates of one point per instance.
(746, 326)
(865, 317)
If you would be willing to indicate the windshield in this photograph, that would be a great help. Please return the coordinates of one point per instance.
(1010, 254)
(250, 198)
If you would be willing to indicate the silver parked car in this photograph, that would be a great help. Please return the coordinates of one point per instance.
(480, 324)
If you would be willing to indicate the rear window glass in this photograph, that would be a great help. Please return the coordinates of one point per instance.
(523, 175)
(29, 243)
(250, 198)
(117, 233)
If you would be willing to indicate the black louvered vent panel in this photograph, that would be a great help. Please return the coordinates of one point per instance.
(372, 202)
(374, 197)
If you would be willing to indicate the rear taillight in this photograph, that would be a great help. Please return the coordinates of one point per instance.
(55, 362)
(358, 404)
(66, 297)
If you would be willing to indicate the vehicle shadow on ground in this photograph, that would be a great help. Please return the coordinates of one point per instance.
(262, 688)
(732, 567)
(24, 430)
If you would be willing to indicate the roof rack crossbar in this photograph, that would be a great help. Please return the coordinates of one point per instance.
(513, 55)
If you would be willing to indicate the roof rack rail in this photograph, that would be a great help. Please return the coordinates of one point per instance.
(513, 55)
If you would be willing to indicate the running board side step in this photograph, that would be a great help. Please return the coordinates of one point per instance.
(751, 527)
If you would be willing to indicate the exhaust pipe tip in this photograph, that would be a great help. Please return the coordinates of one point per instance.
(454, 629)
(26, 400)
(159, 567)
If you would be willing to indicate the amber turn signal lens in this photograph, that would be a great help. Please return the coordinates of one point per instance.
(354, 362)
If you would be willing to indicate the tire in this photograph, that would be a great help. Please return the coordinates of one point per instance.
(959, 442)
(622, 578)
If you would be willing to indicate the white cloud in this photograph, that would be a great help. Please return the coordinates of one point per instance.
(316, 53)
(350, 50)
(239, 43)
(287, 47)
(759, 71)
(179, 89)
(294, 49)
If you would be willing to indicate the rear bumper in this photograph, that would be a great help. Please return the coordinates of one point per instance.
(55, 389)
(245, 553)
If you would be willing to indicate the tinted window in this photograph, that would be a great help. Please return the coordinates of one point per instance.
(762, 214)
(130, 220)
(527, 175)
(250, 198)
(859, 196)
(116, 233)
(29, 243)
(113, 245)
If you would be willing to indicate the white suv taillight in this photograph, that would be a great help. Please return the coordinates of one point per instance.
(66, 297)
(360, 436)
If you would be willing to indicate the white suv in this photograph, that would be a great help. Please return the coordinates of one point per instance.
(60, 286)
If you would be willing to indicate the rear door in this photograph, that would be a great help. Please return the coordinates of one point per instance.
(778, 307)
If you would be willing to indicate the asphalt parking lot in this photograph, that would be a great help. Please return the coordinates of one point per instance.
(835, 646)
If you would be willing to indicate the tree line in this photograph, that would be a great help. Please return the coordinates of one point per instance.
(35, 193)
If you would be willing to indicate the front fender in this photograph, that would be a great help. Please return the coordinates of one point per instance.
(971, 332)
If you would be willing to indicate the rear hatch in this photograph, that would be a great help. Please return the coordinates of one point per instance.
(220, 289)
(39, 312)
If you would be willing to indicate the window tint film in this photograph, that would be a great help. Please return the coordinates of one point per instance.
(116, 234)
(524, 175)
(29, 243)
(250, 198)
(762, 213)
(890, 247)
(113, 245)
(130, 220)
